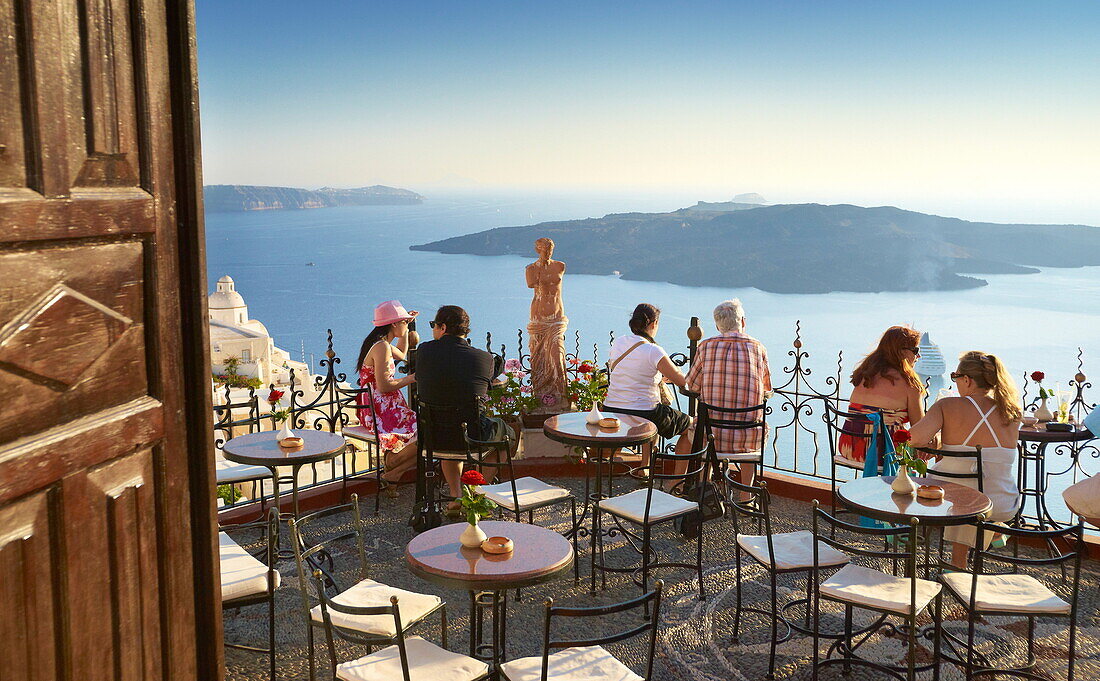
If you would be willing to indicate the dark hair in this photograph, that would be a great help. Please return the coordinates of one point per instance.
(376, 334)
(887, 358)
(455, 318)
(645, 316)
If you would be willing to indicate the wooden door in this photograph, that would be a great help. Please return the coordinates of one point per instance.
(106, 527)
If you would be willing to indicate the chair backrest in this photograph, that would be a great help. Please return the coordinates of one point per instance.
(698, 464)
(474, 445)
(270, 525)
(1073, 534)
(434, 419)
(309, 552)
(825, 529)
(332, 633)
(975, 474)
(843, 422)
(349, 398)
(713, 418)
(754, 507)
(653, 598)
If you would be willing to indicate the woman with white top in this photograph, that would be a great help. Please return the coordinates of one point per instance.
(637, 367)
(986, 413)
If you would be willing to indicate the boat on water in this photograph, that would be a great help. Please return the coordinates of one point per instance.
(931, 366)
(311, 264)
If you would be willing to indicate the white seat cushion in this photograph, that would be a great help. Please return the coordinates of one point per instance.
(590, 663)
(663, 506)
(529, 491)
(741, 457)
(858, 585)
(427, 662)
(1006, 593)
(848, 463)
(358, 433)
(369, 593)
(242, 574)
(227, 471)
(793, 550)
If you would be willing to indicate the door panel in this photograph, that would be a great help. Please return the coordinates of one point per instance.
(106, 512)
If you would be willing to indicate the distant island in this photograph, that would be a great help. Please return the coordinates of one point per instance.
(794, 248)
(226, 198)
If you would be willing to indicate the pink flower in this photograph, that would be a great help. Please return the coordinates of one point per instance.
(513, 365)
(549, 399)
(525, 389)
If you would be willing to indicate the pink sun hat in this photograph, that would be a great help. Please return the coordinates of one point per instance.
(391, 311)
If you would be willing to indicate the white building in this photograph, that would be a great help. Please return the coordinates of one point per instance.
(233, 334)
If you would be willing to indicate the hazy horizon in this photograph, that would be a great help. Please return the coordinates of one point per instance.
(985, 111)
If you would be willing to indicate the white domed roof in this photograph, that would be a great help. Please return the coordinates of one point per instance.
(226, 279)
(225, 300)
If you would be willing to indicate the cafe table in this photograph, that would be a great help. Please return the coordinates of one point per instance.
(539, 555)
(1032, 475)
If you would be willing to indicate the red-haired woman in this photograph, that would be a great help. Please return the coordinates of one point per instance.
(885, 381)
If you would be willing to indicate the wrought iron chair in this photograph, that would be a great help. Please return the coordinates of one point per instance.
(519, 496)
(783, 553)
(840, 422)
(246, 580)
(430, 418)
(376, 459)
(713, 418)
(1012, 594)
(587, 658)
(408, 658)
(369, 629)
(857, 586)
(647, 508)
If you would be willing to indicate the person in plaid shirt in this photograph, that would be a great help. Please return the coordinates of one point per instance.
(731, 371)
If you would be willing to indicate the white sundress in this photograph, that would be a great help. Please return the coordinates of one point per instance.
(998, 478)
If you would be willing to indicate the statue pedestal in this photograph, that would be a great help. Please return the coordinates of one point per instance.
(535, 445)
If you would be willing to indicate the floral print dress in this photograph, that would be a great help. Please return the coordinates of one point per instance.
(396, 421)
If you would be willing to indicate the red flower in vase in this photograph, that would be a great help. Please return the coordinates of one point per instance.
(472, 478)
(275, 395)
(901, 436)
(1038, 376)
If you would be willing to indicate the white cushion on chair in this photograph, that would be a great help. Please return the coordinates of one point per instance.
(242, 574)
(663, 505)
(793, 550)
(858, 585)
(369, 593)
(1006, 593)
(427, 662)
(590, 663)
(741, 457)
(529, 491)
(358, 433)
(848, 463)
(227, 471)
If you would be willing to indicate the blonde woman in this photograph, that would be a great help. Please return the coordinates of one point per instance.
(986, 413)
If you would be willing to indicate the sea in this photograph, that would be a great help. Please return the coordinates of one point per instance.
(305, 272)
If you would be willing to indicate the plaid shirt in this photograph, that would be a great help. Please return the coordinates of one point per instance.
(731, 371)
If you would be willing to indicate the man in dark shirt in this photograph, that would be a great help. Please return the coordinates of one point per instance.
(450, 372)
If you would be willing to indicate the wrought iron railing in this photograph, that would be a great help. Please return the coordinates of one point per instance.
(796, 441)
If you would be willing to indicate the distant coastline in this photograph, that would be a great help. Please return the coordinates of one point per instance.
(794, 248)
(230, 198)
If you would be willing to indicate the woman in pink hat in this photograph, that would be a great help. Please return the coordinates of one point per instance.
(394, 420)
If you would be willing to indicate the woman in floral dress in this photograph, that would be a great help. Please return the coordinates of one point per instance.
(394, 420)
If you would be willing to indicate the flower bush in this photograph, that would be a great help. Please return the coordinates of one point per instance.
(474, 504)
(904, 454)
(511, 399)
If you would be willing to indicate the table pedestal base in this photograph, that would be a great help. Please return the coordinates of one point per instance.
(495, 605)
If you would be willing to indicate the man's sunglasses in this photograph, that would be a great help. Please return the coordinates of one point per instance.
(433, 323)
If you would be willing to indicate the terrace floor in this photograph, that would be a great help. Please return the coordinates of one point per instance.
(695, 637)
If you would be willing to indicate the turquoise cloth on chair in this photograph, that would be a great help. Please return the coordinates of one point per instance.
(870, 463)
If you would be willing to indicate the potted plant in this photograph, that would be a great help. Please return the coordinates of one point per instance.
(511, 399)
(476, 506)
(907, 461)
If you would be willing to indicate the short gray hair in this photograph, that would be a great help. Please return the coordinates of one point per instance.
(728, 315)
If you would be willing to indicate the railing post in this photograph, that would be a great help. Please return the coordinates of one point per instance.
(694, 334)
(410, 360)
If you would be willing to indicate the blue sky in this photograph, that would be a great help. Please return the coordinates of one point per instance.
(874, 102)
